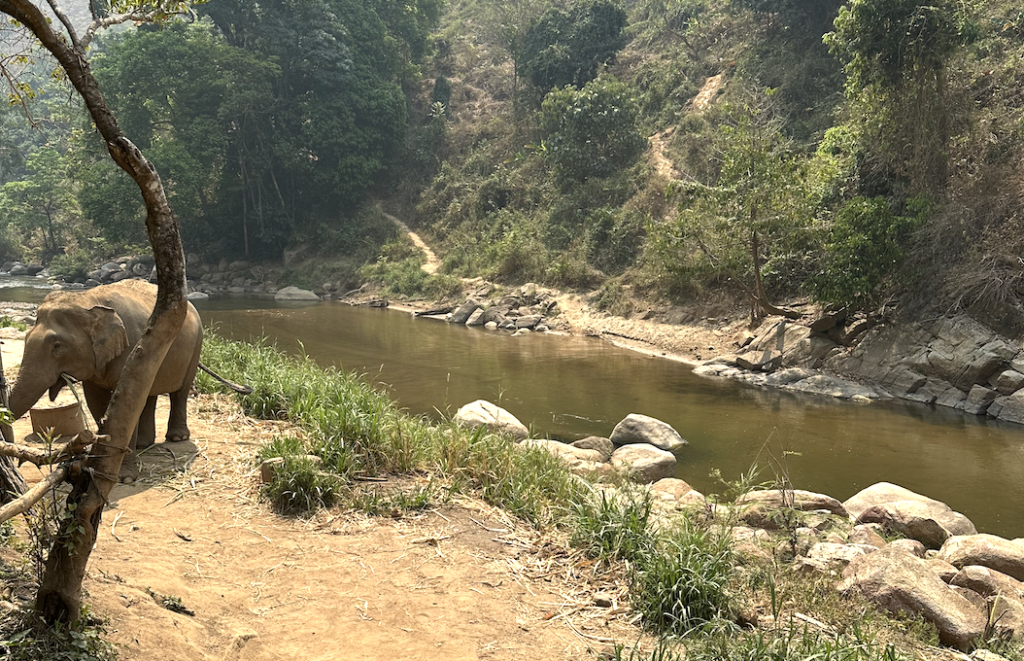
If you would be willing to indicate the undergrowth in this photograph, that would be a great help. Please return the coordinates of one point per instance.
(358, 432)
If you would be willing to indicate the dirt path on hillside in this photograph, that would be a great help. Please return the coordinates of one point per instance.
(432, 263)
(462, 581)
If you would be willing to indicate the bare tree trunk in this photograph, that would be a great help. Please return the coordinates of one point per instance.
(59, 597)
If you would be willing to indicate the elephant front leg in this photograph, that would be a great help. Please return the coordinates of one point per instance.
(177, 423)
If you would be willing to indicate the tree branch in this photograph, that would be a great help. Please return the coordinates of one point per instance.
(115, 19)
(34, 495)
(74, 447)
(68, 25)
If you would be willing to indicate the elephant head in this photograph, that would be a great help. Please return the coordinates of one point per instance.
(68, 339)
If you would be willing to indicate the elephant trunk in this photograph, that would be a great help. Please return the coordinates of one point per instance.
(24, 395)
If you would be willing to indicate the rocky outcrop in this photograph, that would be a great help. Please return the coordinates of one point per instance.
(528, 308)
(954, 362)
(639, 428)
(482, 413)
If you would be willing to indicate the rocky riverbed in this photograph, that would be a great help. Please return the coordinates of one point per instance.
(903, 551)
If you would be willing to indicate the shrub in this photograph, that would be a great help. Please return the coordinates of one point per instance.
(71, 266)
(866, 246)
(591, 132)
(683, 583)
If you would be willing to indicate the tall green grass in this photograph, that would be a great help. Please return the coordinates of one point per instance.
(358, 431)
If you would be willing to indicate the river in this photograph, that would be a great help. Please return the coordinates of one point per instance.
(570, 387)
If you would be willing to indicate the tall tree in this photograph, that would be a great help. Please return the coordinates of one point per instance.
(896, 53)
(59, 597)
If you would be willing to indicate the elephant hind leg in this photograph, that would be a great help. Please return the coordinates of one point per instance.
(146, 430)
(177, 422)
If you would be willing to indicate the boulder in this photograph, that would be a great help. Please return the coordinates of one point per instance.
(482, 413)
(564, 450)
(637, 428)
(18, 269)
(879, 494)
(901, 583)
(528, 321)
(197, 296)
(806, 501)
(644, 463)
(462, 313)
(1007, 382)
(1009, 408)
(989, 551)
(33, 269)
(911, 546)
(988, 582)
(475, 318)
(929, 523)
(836, 555)
(867, 533)
(672, 488)
(599, 443)
(595, 470)
(295, 294)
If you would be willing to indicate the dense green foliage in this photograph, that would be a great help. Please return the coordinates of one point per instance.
(590, 132)
(845, 152)
(566, 47)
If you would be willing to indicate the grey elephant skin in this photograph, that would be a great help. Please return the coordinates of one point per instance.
(88, 335)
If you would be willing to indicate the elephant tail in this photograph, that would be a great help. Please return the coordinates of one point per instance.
(242, 390)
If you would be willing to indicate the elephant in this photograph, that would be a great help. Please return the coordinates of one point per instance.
(87, 336)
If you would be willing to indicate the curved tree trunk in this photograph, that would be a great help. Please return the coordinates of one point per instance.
(59, 597)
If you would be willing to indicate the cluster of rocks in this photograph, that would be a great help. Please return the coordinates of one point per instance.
(940, 569)
(204, 280)
(17, 268)
(970, 586)
(953, 361)
(640, 448)
(528, 308)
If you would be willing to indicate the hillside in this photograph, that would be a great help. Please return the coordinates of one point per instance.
(648, 153)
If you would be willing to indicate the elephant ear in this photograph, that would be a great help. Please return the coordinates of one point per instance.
(109, 339)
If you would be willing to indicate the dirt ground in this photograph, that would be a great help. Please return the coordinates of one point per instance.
(460, 582)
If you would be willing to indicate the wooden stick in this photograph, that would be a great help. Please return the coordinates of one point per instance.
(34, 495)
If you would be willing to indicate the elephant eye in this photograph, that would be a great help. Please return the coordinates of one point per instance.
(58, 348)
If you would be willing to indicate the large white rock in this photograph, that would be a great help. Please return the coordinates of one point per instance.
(295, 294)
(482, 413)
(638, 428)
(879, 494)
(644, 463)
